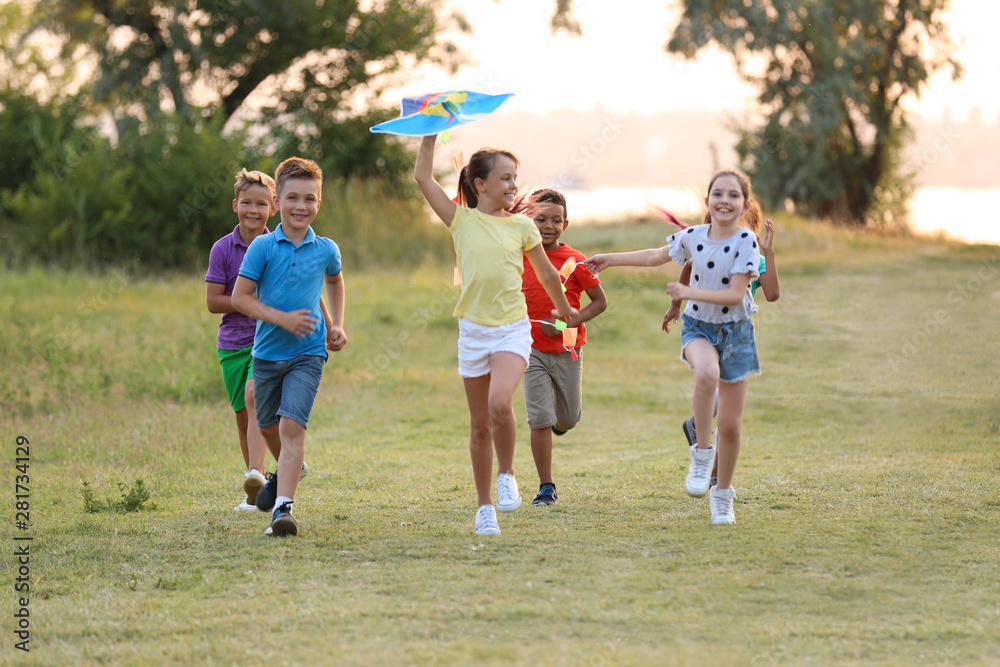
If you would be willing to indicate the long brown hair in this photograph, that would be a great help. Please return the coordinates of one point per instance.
(480, 165)
(752, 216)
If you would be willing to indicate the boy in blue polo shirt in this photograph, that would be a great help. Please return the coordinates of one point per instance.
(280, 284)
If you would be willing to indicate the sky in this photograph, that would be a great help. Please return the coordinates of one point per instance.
(620, 64)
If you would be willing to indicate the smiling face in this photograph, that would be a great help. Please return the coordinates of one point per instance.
(498, 190)
(550, 218)
(726, 201)
(253, 206)
(298, 203)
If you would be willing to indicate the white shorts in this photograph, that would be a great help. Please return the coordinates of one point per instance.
(478, 342)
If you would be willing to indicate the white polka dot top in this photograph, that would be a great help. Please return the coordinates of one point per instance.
(714, 263)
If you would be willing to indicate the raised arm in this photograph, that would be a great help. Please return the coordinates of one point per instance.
(647, 257)
(769, 279)
(549, 278)
(297, 322)
(423, 174)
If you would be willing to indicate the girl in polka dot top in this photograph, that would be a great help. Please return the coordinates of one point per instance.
(717, 335)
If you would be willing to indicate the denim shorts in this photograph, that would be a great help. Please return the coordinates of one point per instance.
(733, 341)
(286, 388)
(478, 342)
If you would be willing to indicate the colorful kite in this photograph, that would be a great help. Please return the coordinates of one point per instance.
(439, 112)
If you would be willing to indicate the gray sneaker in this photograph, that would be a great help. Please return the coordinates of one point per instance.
(689, 432)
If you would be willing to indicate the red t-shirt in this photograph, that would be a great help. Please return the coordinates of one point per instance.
(540, 305)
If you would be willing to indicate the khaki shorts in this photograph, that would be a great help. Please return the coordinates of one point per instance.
(553, 390)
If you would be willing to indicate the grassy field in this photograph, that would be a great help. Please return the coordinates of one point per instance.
(868, 515)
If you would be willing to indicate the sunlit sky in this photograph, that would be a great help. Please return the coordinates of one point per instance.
(620, 63)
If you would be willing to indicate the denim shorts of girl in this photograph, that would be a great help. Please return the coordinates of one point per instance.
(286, 388)
(478, 342)
(734, 341)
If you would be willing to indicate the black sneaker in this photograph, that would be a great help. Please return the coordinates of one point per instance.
(557, 431)
(546, 495)
(689, 432)
(713, 482)
(267, 495)
(283, 523)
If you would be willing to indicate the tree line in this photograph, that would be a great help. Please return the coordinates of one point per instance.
(123, 123)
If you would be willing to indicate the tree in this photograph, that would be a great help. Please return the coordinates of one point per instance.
(296, 68)
(834, 76)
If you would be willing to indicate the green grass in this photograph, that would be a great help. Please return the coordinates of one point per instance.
(867, 516)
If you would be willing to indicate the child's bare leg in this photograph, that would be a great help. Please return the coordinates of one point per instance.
(273, 440)
(256, 446)
(293, 451)
(506, 370)
(541, 451)
(242, 423)
(731, 400)
(477, 392)
(705, 360)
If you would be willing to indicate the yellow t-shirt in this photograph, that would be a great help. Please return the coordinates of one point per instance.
(490, 259)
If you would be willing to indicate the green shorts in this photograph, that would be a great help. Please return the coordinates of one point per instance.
(237, 368)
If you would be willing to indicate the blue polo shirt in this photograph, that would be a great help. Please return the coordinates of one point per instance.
(290, 278)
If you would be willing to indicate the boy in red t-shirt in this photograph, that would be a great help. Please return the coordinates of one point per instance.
(553, 380)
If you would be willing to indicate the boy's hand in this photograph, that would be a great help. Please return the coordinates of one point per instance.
(597, 263)
(336, 339)
(549, 328)
(678, 291)
(567, 316)
(672, 315)
(299, 323)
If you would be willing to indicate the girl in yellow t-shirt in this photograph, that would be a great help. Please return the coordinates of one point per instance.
(494, 341)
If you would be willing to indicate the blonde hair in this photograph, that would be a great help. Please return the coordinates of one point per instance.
(752, 216)
(297, 167)
(247, 179)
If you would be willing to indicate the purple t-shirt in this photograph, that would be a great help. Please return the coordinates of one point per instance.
(236, 330)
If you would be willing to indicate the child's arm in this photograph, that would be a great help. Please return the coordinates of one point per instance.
(336, 339)
(674, 312)
(598, 304)
(327, 317)
(647, 257)
(550, 280)
(217, 299)
(730, 296)
(296, 322)
(769, 279)
(423, 174)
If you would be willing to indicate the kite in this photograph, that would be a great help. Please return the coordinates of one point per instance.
(569, 333)
(439, 112)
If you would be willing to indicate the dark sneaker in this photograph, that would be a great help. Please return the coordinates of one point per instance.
(267, 495)
(713, 483)
(689, 431)
(546, 495)
(283, 523)
(557, 431)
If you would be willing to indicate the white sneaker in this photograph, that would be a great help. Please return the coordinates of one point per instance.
(721, 503)
(486, 521)
(253, 482)
(305, 471)
(245, 507)
(508, 497)
(700, 472)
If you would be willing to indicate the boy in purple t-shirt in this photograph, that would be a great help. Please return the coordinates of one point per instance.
(254, 204)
